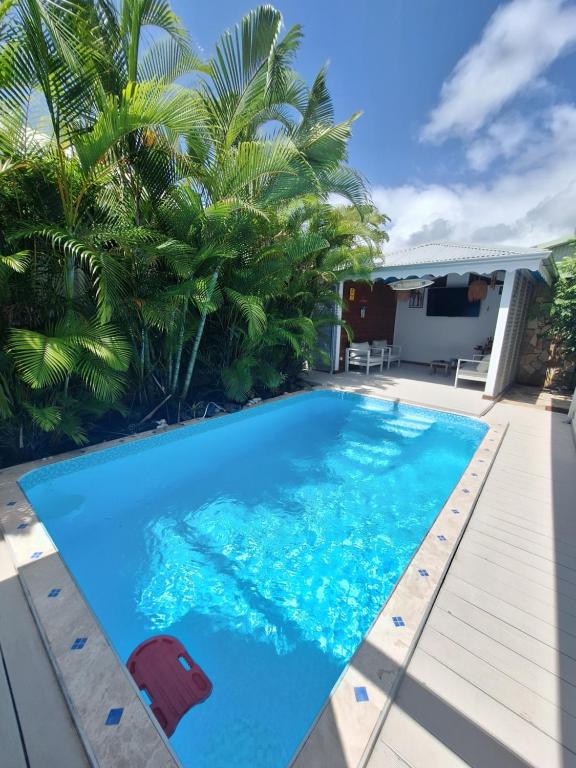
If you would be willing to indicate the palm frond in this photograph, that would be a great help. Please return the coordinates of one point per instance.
(105, 383)
(251, 310)
(41, 360)
(238, 379)
(47, 417)
(17, 262)
(165, 60)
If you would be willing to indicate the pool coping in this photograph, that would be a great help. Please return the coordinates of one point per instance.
(89, 672)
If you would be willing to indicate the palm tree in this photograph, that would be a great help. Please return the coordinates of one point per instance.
(267, 138)
(96, 112)
(315, 246)
(153, 225)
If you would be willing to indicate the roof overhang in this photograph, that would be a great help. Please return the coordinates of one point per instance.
(541, 265)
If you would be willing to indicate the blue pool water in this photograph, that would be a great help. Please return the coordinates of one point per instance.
(266, 541)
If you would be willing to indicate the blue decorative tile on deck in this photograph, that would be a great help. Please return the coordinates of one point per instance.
(54, 592)
(361, 693)
(115, 715)
(441, 537)
(35, 555)
(423, 572)
(79, 643)
(398, 621)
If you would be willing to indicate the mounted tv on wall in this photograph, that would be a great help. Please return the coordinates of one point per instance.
(451, 302)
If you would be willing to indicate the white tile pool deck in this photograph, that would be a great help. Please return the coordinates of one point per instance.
(492, 680)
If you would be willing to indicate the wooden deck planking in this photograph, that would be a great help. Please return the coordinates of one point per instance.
(509, 636)
(511, 662)
(500, 686)
(534, 627)
(514, 567)
(532, 598)
(517, 554)
(48, 732)
(548, 552)
(10, 741)
(497, 655)
(499, 521)
(416, 742)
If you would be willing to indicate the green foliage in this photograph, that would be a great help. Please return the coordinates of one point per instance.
(162, 239)
(563, 309)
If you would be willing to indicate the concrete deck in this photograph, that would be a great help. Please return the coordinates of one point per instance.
(412, 384)
(492, 681)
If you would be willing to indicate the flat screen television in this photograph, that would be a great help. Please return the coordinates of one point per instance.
(451, 302)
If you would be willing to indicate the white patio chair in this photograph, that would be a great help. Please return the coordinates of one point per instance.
(472, 370)
(392, 352)
(362, 355)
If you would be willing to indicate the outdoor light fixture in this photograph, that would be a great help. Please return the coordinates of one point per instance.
(410, 285)
(477, 290)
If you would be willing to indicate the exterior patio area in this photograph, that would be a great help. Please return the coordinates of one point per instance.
(411, 383)
(459, 305)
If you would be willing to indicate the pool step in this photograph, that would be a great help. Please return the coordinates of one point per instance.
(404, 429)
(401, 426)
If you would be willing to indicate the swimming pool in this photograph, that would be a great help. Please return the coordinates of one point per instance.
(266, 541)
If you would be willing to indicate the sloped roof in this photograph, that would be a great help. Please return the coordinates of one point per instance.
(432, 253)
(569, 239)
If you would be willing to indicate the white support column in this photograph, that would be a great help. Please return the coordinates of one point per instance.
(572, 409)
(499, 335)
(336, 336)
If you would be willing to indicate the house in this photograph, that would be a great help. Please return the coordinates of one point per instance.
(440, 321)
(561, 248)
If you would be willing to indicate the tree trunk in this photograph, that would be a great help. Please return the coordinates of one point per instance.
(176, 371)
(198, 337)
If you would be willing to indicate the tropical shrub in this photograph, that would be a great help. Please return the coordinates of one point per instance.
(563, 309)
(161, 244)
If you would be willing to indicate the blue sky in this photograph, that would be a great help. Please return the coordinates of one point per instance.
(468, 129)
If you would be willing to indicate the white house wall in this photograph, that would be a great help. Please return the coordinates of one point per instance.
(439, 338)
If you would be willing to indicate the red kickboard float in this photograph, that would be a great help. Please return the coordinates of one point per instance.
(174, 683)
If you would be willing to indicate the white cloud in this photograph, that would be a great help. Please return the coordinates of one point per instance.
(519, 42)
(528, 203)
(502, 139)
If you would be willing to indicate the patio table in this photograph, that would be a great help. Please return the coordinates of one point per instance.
(437, 365)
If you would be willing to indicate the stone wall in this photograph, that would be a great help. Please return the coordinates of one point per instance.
(541, 361)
